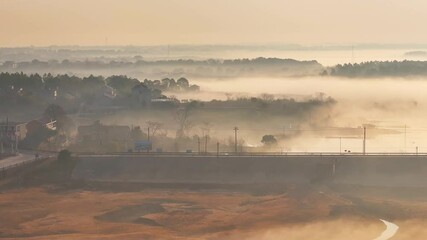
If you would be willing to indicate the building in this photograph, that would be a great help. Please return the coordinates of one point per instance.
(13, 130)
(34, 125)
(109, 92)
(164, 103)
(11, 133)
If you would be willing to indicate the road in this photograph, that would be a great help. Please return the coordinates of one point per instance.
(19, 159)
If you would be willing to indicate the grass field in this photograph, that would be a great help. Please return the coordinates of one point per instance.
(44, 203)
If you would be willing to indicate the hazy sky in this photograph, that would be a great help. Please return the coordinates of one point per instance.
(152, 22)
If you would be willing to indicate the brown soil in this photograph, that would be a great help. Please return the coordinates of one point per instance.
(42, 203)
(38, 213)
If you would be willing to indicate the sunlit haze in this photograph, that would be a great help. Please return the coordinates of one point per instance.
(154, 22)
(213, 119)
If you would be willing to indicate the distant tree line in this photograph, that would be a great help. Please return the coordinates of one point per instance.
(379, 69)
(73, 84)
(34, 90)
(172, 68)
(114, 63)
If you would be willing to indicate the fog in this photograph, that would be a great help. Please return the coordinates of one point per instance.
(393, 108)
(349, 229)
(327, 55)
(389, 104)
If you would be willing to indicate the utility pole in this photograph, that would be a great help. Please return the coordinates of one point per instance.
(404, 150)
(340, 145)
(148, 139)
(1, 141)
(235, 139)
(206, 144)
(364, 140)
(16, 141)
(198, 144)
(217, 149)
(416, 150)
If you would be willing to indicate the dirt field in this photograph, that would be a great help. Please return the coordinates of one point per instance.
(40, 213)
(44, 203)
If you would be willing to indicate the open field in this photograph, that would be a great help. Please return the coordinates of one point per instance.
(298, 212)
(45, 202)
(171, 214)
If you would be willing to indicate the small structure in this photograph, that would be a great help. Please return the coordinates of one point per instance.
(11, 133)
(34, 125)
(143, 146)
(109, 92)
(13, 130)
(164, 102)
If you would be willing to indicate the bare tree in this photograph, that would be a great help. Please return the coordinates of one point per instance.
(182, 117)
(267, 97)
(205, 127)
(155, 127)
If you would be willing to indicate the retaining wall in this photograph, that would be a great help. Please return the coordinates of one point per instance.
(364, 170)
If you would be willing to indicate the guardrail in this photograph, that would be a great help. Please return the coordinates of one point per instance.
(233, 154)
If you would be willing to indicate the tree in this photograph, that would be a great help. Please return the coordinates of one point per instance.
(64, 155)
(183, 119)
(123, 84)
(269, 140)
(183, 83)
(54, 112)
(137, 134)
(57, 113)
(154, 127)
(267, 97)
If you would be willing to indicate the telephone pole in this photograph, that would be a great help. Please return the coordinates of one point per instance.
(405, 140)
(198, 144)
(148, 139)
(235, 139)
(1, 142)
(206, 144)
(217, 149)
(364, 140)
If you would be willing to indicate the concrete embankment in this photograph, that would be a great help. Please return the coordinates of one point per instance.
(404, 171)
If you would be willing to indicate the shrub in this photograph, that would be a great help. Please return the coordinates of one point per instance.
(64, 155)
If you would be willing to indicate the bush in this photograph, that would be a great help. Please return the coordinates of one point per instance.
(64, 155)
